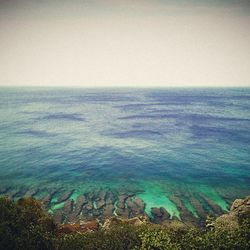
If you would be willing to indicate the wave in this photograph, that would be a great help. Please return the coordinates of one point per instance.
(63, 116)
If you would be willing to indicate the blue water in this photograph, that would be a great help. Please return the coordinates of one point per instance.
(156, 142)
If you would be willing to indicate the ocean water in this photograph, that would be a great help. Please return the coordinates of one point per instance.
(156, 143)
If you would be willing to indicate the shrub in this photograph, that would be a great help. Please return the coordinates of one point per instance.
(119, 237)
(24, 225)
(154, 237)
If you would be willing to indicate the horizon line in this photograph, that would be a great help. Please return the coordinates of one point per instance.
(123, 87)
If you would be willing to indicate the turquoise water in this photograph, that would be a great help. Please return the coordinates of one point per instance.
(155, 143)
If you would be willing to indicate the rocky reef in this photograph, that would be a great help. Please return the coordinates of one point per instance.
(71, 206)
(229, 221)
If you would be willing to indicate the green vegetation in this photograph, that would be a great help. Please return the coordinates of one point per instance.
(24, 225)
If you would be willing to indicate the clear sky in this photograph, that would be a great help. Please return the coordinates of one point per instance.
(143, 43)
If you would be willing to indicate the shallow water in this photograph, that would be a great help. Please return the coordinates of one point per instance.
(190, 143)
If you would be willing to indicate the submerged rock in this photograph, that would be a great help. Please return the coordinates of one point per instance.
(89, 206)
(58, 216)
(96, 212)
(92, 195)
(100, 203)
(68, 206)
(216, 209)
(185, 214)
(159, 214)
(87, 209)
(140, 204)
(108, 210)
(110, 197)
(47, 199)
(4, 190)
(198, 207)
(80, 201)
(136, 207)
(156, 212)
(102, 195)
(123, 213)
(13, 193)
(121, 201)
(31, 192)
(65, 196)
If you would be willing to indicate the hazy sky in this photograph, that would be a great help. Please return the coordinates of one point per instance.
(140, 43)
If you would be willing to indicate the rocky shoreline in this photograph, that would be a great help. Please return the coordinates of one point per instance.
(69, 207)
(239, 210)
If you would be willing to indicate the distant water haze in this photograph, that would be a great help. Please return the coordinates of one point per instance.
(124, 43)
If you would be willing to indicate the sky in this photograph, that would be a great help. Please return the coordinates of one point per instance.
(125, 43)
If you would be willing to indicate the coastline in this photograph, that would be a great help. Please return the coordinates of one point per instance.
(25, 225)
(67, 207)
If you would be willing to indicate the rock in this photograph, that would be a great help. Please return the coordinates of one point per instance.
(121, 201)
(165, 214)
(80, 201)
(110, 197)
(108, 210)
(92, 195)
(65, 196)
(198, 207)
(31, 192)
(137, 221)
(92, 225)
(159, 214)
(136, 207)
(156, 212)
(115, 221)
(58, 216)
(69, 228)
(217, 209)
(82, 226)
(128, 191)
(236, 204)
(88, 209)
(102, 195)
(185, 214)
(140, 203)
(100, 203)
(72, 218)
(68, 206)
(46, 200)
(96, 212)
(89, 206)
(241, 208)
(177, 202)
(124, 213)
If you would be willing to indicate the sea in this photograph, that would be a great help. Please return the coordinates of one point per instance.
(192, 144)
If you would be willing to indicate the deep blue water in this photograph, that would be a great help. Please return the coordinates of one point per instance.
(154, 141)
